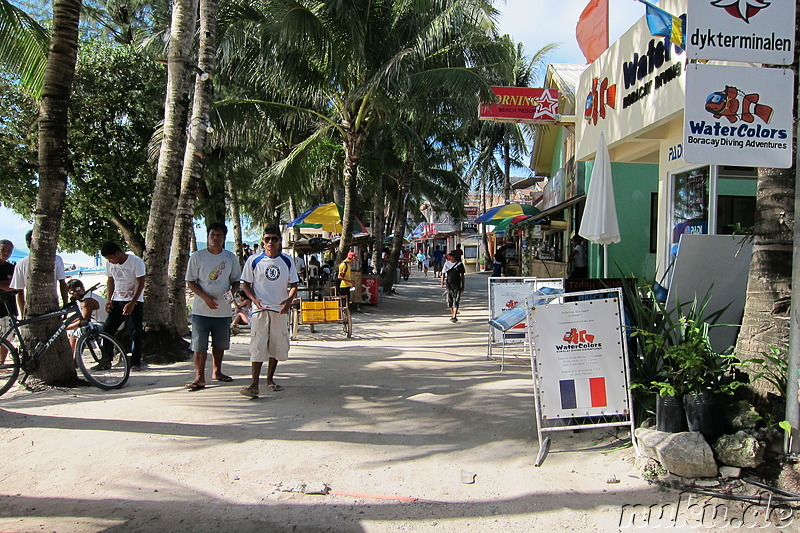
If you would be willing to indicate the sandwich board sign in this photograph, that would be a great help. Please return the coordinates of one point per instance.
(752, 31)
(738, 116)
(579, 363)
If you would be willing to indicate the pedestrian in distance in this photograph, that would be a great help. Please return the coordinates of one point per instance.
(125, 284)
(453, 279)
(345, 275)
(20, 279)
(580, 268)
(212, 275)
(6, 274)
(270, 281)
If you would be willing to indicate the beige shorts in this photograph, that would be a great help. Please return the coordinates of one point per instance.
(269, 336)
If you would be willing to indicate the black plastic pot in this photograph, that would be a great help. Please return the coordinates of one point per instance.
(670, 416)
(705, 414)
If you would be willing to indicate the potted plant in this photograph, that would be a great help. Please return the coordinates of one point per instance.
(702, 376)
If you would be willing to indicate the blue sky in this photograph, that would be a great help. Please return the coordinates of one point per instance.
(532, 22)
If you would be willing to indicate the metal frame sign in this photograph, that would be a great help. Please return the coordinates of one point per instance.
(507, 293)
(741, 30)
(579, 363)
(738, 116)
(580, 358)
(522, 104)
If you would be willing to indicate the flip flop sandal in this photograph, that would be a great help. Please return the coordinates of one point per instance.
(194, 387)
(275, 387)
(223, 378)
(249, 392)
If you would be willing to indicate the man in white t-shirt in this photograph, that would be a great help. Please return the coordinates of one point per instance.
(270, 281)
(212, 275)
(20, 279)
(125, 274)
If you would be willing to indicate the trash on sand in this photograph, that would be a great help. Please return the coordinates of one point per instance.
(468, 478)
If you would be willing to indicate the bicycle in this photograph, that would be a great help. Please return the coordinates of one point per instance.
(100, 357)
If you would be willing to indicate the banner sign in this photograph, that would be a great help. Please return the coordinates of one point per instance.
(580, 364)
(741, 30)
(739, 116)
(522, 104)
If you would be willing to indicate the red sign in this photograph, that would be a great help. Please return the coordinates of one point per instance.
(522, 104)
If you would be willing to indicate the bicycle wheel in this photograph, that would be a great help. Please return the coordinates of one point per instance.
(9, 369)
(102, 360)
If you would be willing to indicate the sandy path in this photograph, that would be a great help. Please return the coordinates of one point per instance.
(407, 408)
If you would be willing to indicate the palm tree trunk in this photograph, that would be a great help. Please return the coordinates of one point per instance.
(352, 158)
(766, 311)
(399, 229)
(168, 176)
(56, 366)
(236, 218)
(293, 215)
(506, 170)
(193, 168)
(378, 221)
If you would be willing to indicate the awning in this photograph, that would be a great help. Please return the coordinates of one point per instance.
(553, 210)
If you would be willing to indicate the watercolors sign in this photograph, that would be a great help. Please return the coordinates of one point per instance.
(738, 116)
(522, 104)
(741, 30)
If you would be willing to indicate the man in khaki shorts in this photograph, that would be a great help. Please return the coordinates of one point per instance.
(270, 280)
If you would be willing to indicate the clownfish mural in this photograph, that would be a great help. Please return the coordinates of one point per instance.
(602, 94)
(734, 104)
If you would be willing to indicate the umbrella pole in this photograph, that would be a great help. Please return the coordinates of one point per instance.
(605, 260)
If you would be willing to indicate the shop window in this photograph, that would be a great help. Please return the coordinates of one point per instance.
(733, 211)
(690, 204)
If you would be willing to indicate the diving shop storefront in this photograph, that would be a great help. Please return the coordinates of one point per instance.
(635, 93)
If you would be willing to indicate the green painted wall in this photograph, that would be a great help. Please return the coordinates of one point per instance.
(634, 184)
(558, 156)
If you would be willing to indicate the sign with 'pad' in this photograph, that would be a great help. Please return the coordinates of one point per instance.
(738, 116)
(759, 31)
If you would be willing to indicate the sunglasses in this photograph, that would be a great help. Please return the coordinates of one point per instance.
(272, 239)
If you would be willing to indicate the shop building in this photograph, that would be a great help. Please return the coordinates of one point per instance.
(634, 93)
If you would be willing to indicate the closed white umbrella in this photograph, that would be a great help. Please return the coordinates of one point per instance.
(599, 224)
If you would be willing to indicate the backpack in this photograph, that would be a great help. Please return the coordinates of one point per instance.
(454, 276)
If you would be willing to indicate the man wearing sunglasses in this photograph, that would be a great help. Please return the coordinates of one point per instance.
(270, 281)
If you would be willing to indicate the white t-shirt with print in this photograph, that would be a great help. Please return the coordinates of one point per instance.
(270, 278)
(124, 276)
(20, 279)
(215, 273)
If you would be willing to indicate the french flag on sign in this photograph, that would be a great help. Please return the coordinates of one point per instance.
(581, 393)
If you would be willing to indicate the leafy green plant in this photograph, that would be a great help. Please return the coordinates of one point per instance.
(773, 366)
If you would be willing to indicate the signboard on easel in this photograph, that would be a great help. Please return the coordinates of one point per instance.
(507, 293)
(579, 364)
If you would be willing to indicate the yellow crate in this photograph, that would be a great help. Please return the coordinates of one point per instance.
(312, 311)
(333, 309)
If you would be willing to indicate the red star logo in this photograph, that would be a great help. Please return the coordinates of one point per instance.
(741, 9)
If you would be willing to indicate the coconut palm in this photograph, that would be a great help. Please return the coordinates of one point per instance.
(23, 46)
(354, 60)
(59, 71)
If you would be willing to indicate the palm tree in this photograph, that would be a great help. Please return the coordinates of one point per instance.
(355, 59)
(168, 175)
(23, 46)
(193, 165)
(62, 56)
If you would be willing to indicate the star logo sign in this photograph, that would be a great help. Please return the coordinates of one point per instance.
(741, 9)
(547, 107)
